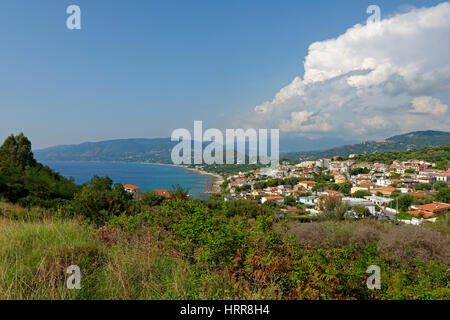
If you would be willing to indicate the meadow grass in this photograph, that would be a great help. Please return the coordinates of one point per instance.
(34, 256)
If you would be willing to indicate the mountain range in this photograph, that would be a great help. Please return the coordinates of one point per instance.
(158, 150)
(407, 141)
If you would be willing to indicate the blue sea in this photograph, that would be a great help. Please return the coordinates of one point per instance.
(145, 176)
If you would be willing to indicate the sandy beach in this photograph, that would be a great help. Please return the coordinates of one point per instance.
(216, 180)
(214, 185)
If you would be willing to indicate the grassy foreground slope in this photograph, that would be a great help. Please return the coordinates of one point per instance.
(182, 250)
(34, 256)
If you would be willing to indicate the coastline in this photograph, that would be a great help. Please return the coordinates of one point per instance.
(212, 185)
(215, 179)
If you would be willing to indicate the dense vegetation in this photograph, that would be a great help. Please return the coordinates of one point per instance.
(24, 181)
(179, 248)
(438, 155)
(209, 250)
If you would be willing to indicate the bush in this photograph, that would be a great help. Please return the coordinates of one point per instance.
(151, 198)
(243, 208)
(98, 200)
(407, 243)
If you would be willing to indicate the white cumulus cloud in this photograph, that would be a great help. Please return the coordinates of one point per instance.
(372, 80)
(429, 105)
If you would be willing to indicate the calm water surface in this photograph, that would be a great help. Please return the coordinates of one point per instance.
(145, 176)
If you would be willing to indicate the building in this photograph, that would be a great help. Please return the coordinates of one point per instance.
(276, 199)
(308, 185)
(430, 209)
(443, 177)
(323, 163)
(306, 164)
(360, 202)
(165, 193)
(135, 191)
(379, 201)
(355, 189)
(386, 191)
(382, 182)
(339, 178)
(307, 200)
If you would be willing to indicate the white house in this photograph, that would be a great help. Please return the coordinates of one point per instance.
(276, 199)
(307, 200)
(135, 191)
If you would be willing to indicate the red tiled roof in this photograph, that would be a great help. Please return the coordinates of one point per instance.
(307, 182)
(434, 207)
(130, 186)
(425, 214)
(418, 194)
(165, 193)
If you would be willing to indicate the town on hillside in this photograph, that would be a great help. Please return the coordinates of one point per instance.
(408, 191)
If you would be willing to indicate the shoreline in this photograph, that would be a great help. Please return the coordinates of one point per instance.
(212, 186)
(215, 179)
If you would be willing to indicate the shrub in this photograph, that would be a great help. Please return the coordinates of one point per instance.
(407, 243)
(151, 198)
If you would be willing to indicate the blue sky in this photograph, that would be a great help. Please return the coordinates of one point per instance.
(143, 68)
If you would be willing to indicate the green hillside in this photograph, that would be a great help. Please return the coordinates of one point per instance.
(439, 155)
(408, 141)
(130, 150)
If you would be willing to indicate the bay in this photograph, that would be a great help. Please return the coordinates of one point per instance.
(145, 176)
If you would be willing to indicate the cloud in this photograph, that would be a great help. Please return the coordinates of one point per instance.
(373, 80)
(429, 105)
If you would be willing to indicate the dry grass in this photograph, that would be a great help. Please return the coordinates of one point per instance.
(407, 243)
(402, 242)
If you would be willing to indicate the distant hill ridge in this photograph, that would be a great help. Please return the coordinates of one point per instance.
(407, 141)
(130, 150)
(158, 150)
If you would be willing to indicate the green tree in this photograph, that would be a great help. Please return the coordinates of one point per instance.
(405, 201)
(179, 193)
(16, 152)
(332, 208)
(345, 188)
(98, 201)
(99, 183)
(356, 171)
(290, 200)
(443, 195)
(151, 198)
(439, 185)
(243, 208)
(361, 194)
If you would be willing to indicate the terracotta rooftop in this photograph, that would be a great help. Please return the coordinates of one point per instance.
(434, 207)
(131, 187)
(165, 193)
